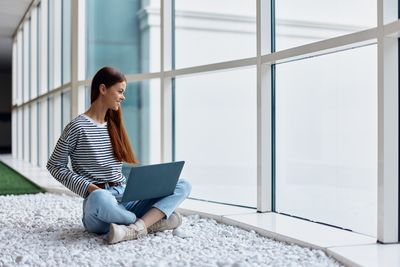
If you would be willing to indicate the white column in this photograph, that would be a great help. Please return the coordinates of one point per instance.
(43, 138)
(19, 69)
(26, 132)
(56, 119)
(33, 135)
(78, 61)
(14, 110)
(264, 130)
(43, 47)
(14, 133)
(14, 72)
(57, 30)
(33, 53)
(19, 134)
(26, 58)
(388, 127)
(166, 82)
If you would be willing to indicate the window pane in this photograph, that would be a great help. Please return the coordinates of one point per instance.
(326, 139)
(26, 131)
(212, 31)
(26, 61)
(216, 134)
(66, 41)
(38, 128)
(65, 109)
(38, 46)
(50, 123)
(50, 40)
(308, 21)
(118, 35)
(141, 113)
(87, 97)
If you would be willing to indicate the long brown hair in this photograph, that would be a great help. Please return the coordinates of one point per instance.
(116, 129)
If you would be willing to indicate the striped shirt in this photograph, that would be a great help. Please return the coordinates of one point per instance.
(89, 147)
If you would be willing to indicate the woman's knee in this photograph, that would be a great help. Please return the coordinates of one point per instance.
(185, 185)
(100, 196)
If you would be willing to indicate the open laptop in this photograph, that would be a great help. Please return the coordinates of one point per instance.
(152, 181)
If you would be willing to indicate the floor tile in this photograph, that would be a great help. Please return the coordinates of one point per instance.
(368, 255)
(299, 231)
(211, 210)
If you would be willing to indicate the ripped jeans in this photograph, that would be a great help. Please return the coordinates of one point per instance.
(103, 207)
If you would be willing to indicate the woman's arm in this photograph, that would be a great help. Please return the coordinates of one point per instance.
(57, 166)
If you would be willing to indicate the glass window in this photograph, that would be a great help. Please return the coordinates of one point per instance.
(216, 134)
(212, 31)
(114, 36)
(33, 54)
(50, 123)
(87, 97)
(307, 21)
(33, 133)
(66, 41)
(26, 132)
(50, 43)
(38, 46)
(65, 109)
(26, 60)
(20, 133)
(39, 146)
(326, 139)
(141, 115)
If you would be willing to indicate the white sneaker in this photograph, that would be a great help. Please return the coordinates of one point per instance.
(120, 233)
(174, 221)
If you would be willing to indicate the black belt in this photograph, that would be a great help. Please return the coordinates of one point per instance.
(103, 185)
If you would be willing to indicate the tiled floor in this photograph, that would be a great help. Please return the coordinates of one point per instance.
(350, 248)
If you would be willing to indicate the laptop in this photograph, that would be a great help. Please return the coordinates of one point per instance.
(152, 181)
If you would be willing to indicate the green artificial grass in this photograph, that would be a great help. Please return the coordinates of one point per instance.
(12, 183)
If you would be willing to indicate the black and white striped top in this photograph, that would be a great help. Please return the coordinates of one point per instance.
(89, 147)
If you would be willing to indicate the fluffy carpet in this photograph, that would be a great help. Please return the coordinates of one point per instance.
(46, 230)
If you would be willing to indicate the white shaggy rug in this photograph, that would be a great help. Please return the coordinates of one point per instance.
(46, 230)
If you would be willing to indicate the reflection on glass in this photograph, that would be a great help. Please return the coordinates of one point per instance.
(326, 139)
(87, 97)
(38, 53)
(307, 21)
(50, 40)
(216, 134)
(50, 123)
(39, 146)
(141, 116)
(212, 31)
(66, 41)
(65, 109)
(118, 35)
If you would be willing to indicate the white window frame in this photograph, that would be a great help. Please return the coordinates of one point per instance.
(388, 122)
(385, 34)
(26, 133)
(33, 54)
(57, 32)
(33, 133)
(43, 47)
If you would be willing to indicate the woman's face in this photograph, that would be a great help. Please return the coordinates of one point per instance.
(115, 95)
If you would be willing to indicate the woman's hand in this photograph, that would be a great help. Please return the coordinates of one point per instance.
(92, 187)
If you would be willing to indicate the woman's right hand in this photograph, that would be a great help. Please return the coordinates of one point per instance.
(92, 187)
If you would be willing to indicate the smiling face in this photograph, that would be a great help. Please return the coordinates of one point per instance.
(113, 95)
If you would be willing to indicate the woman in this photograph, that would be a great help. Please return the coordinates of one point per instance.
(97, 144)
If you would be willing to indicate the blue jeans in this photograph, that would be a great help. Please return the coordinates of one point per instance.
(103, 206)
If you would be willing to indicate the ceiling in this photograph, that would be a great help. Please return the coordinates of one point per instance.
(11, 13)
